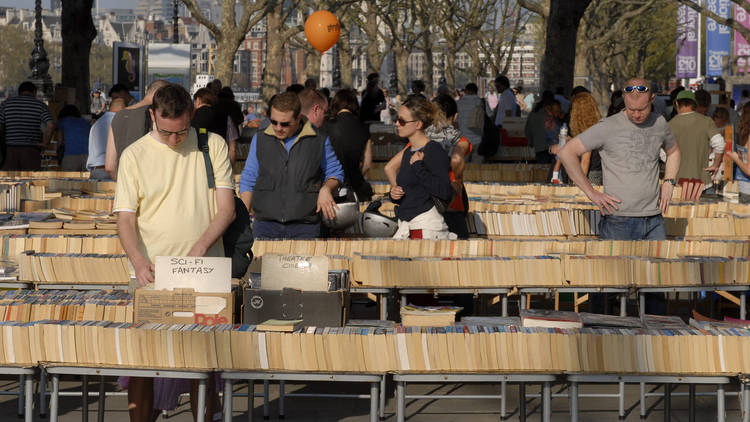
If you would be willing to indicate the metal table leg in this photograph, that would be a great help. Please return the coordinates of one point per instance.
(21, 394)
(381, 409)
(667, 402)
(201, 407)
(573, 399)
(546, 402)
(623, 304)
(403, 300)
(505, 305)
(621, 401)
(400, 405)
(721, 417)
(28, 386)
(503, 400)
(383, 298)
(691, 402)
(743, 300)
(42, 393)
(102, 398)
(265, 399)
(228, 400)
(282, 388)
(643, 399)
(250, 400)
(84, 398)
(374, 401)
(523, 301)
(521, 400)
(745, 403)
(53, 400)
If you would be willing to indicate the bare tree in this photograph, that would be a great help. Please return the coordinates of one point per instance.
(458, 22)
(369, 22)
(230, 34)
(400, 19)
(278, 14)
(497, 37)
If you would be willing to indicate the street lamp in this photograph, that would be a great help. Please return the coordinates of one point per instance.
(39, 62)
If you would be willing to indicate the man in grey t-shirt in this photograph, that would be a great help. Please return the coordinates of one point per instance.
(629, 142)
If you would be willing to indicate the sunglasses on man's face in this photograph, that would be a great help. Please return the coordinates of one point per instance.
(282, 124)
(638, 88)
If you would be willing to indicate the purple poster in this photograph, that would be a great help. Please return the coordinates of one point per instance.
(741, 47)
(687, 42)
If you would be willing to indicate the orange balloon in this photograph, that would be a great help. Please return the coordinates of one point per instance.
(322, 29)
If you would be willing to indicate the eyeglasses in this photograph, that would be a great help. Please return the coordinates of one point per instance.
(282, 124)
(167, 134)
(639, 88)
(401, 122)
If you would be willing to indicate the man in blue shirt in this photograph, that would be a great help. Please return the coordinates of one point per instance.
(290, 175)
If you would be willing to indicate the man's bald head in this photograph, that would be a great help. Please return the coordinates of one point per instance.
(155, 85)
(637, 104)
(117, 105)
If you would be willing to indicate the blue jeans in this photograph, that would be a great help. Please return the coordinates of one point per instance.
(615, 227)
(276, 230)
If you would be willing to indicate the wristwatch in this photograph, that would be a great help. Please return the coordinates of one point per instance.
(671, 181)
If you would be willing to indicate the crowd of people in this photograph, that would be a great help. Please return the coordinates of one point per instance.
(172, 154)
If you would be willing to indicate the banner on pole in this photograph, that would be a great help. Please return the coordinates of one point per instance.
(741, 46)
(718, 37)
(687, 42)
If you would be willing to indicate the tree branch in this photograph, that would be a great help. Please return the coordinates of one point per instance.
(195, 12)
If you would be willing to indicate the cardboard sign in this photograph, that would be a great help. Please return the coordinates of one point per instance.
(309, 273)
(183, 306)
(202, 274)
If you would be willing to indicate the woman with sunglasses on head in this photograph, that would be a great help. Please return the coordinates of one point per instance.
(423, 175)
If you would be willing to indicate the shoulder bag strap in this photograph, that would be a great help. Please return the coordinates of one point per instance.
(203, 147)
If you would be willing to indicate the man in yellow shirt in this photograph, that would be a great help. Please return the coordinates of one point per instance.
(165, 207)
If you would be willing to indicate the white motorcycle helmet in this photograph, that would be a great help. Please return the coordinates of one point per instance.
(375, 224)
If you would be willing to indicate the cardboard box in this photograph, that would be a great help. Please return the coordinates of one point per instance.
(320, 309)
(183, 306)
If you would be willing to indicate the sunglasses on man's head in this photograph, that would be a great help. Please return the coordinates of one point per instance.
(639, 88)
(282, 124)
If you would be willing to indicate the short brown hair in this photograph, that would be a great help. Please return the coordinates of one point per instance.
(285, 102)
(172, 101)
(206, 96)
(310, 97)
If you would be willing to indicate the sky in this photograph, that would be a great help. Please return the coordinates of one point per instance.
(29, 4)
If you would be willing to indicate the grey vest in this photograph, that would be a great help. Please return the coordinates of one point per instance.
(287, 186)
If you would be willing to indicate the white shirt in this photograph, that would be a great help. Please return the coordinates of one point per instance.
(506, 101)
(98, 140)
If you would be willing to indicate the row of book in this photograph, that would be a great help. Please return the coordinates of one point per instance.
(73, 268)
(503, 247)
(544, 270)
(12, 245)
(516, 172)
(458, 348)
(73, 305)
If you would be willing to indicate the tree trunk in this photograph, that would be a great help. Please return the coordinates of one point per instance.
(274, 51)
(429, 70)
(224, 66)
(345, 60)
(402, 60)
(312, 65)
(476, 64)
(450, 68)
(78, 32)
(374, 55)
(558, 63)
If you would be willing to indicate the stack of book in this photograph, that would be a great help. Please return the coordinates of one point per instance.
(428, 316)
(73, 268)
(74, 305)
(709, 349)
